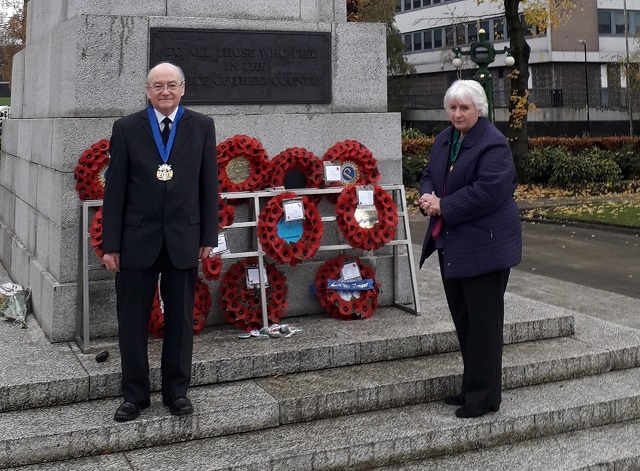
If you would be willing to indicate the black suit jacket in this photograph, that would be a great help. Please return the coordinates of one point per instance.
(140, 213)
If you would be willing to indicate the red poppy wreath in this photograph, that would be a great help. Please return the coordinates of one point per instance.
(90, 170)
(201, 309)
(356, 225)
(347, 304)
(300, 160)
(357, 165)
(290, 242)
(242, 165)
(241, 303)
(95, 232)
(212, 265)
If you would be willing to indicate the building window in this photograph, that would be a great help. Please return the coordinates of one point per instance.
(604, 22)
(499, 29)
(408, 5)
(428, 40)
(437, 39)
(461, 35)
(530, 31)
(618, 18)
(472, 32)
(486, 26)
(417, 41)
(448, 36)
(611, 22)
(407, 42)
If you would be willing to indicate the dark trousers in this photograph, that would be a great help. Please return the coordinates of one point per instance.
(135, 290)
(477, 308)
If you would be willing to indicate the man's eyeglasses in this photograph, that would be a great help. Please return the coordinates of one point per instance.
(158, 87)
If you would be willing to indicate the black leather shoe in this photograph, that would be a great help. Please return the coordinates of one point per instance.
(471, 412)
(455, 400)
(179, 405)
(129, 411)
(142, 405)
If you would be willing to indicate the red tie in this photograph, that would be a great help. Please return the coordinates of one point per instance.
(437, 228)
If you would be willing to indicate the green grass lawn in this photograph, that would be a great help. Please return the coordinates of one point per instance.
(4, 101)
(625, 213)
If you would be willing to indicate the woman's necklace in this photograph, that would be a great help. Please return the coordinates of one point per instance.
(455, 148)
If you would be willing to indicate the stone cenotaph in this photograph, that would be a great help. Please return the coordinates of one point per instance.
(288, 73)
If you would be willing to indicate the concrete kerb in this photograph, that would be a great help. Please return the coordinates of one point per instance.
(600, 227)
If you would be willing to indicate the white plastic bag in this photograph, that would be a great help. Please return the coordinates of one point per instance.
(14, 302)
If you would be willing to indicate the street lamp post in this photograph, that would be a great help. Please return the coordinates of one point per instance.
(626, 66)
(586, 82)
(482, 53)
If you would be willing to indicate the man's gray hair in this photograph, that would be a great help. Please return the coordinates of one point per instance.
(179, 69)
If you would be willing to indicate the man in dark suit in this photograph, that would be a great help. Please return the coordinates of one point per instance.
(160, 216)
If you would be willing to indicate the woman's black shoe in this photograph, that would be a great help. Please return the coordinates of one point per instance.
(471, 412)
(455, 400)
(130, 411)
(179, 405)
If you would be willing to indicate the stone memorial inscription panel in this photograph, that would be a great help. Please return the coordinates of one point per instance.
(246, 67)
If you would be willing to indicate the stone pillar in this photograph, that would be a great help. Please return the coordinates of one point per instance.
(85, 64)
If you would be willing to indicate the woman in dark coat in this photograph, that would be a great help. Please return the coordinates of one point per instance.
(467, 191)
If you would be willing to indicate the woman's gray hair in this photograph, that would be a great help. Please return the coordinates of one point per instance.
(461, 90)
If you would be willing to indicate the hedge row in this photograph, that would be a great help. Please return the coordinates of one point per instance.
(569, 163)
(576, 145)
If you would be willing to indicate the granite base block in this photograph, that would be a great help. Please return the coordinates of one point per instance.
(10, 135)
(47, 15)
(37, 86)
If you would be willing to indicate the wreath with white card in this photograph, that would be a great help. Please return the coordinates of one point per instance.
(346, 288)
(366, 216)
(290, 228)
(212, 265)
(239, 296)
(357, 165)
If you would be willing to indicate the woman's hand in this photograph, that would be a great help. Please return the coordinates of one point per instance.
(430, 204)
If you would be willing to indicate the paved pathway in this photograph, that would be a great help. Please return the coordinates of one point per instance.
(596, 258)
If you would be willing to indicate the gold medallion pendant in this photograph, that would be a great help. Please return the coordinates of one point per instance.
(164, 173)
